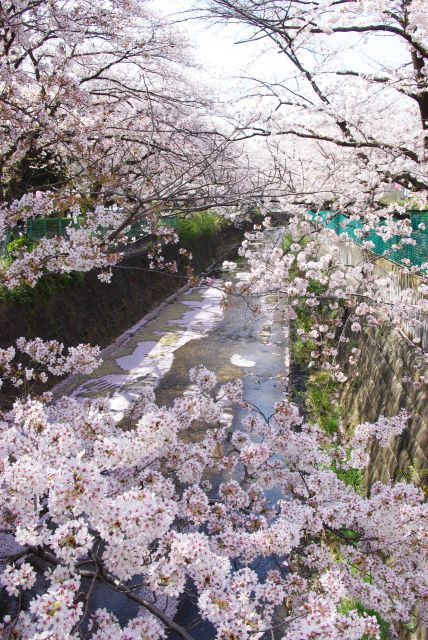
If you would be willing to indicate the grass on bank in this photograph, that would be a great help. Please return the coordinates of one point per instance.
(322, 405)
(43, 290)
(191, 229)
(320, 391)
(200, 225)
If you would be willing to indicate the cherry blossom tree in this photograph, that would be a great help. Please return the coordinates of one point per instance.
(100, 106)
(176, 503)
(360, 113)
(138, 511)
(346, 120)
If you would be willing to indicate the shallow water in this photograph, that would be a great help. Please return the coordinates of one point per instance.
(202, 326)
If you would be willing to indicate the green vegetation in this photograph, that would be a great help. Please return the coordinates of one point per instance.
(320, 398)
(287, 241)
(301, 348)
(256, 216)
(192, 229)
(19, 245)
(322, 405)
(349, 604)
(45, 288)
(393, 198)
(200, 225)
(409, 203)
(321, 391)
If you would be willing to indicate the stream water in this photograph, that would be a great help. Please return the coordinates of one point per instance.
(202, 326)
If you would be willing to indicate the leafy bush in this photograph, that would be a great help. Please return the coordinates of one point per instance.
(349, 604)
(19, 245)
(199, 225)
(45, 288)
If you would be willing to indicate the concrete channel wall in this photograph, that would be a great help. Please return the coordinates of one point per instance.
(91, 311)
(387, 356)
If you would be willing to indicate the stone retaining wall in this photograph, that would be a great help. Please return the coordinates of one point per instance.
(386, 356)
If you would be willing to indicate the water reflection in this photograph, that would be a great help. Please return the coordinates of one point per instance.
(196, 329)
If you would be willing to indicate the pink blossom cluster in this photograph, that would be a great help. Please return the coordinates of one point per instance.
(32, 361)
(343, 299)
(93, 500)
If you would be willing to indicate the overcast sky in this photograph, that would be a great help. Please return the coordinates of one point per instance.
(217, 51)
(215, 44)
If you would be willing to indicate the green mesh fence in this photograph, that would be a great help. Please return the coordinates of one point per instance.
(7, 238)
(407, 254)
(37, 228)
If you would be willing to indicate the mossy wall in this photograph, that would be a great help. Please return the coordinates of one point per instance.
(87, 310)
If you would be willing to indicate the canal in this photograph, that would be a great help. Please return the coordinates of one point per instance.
(201, 326)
